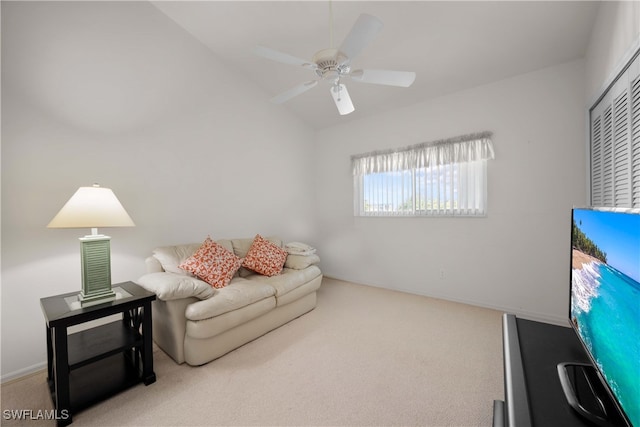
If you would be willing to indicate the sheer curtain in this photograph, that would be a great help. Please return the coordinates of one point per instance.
(443, 178)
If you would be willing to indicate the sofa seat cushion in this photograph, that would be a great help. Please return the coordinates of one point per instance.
(213, 326)
(237, 294)
(288, 280)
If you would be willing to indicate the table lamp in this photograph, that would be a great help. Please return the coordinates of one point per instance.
(93, 207)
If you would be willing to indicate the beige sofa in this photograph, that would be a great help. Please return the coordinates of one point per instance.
(196, 323)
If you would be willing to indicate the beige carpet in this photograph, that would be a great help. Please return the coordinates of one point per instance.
(365, 356)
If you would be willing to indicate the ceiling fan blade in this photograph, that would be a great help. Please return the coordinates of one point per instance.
(342, 99)
(362, 33)
(384, 77)
(287, 95)
(285, 58)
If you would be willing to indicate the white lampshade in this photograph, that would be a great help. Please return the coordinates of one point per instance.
(92, 207)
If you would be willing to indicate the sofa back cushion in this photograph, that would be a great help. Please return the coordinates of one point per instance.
(213, 263)
(171, 257)
(242, 246)
(265, 257)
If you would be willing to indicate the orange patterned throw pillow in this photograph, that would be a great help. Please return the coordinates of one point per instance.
(212, 263)
(264, 257)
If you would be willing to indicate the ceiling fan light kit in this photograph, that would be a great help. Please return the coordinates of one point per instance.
(332, 65)
(342, 99)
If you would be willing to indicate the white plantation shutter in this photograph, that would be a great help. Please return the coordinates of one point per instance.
(615, 142)
(635, 140)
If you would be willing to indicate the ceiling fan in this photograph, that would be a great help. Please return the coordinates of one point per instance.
(334, 65)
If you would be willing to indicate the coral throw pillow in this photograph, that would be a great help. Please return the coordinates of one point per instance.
(264, 257)
(212, 263)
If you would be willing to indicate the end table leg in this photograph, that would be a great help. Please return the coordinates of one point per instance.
(148, 376)
(61, 376)
(49, 356)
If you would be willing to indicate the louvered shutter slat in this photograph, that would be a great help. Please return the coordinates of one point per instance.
(596, 163)
(607, 158)
(621, 158)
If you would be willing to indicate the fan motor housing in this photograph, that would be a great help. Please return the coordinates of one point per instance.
(331, 64)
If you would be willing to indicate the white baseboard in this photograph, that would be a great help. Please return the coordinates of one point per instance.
(22, 373)
(525, 314)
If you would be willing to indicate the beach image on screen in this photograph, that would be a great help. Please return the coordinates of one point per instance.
(605, 299)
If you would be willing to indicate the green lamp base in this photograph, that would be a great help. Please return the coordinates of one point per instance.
(96, 270)
(89, 300)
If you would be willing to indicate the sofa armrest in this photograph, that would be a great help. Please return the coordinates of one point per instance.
(171, 286)
(153, 265)
(170, 325)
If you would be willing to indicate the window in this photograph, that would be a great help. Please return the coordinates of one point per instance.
(615, 141)
(444, 178)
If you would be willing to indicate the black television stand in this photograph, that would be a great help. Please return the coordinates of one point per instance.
(534, 395)
(587, 395)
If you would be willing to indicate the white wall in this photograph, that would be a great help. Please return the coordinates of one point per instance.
(615, 36)
(116, 93)
(515, 259)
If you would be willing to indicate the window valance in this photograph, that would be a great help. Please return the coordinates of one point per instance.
(461, 149)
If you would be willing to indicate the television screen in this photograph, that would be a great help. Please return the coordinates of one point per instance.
(605, 299)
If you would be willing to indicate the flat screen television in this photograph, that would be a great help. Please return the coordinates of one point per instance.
(604, 311)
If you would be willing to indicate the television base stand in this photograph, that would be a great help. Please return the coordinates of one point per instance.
(533, 393)
(587, 396)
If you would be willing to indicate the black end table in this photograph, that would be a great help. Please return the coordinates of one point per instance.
(87, 366)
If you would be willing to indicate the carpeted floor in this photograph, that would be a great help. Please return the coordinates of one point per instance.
(365, 356)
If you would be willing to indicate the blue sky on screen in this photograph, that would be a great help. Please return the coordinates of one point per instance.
(615, 233)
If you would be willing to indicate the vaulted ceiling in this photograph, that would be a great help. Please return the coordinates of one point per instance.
(451, 45)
